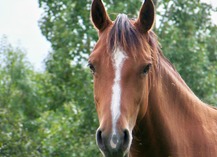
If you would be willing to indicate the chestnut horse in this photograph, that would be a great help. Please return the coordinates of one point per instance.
(145, 109)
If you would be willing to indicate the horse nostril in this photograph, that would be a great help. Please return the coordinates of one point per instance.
(116, 144)
(99, 139)
(126, 139)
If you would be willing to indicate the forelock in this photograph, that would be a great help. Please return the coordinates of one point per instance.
(124, 35)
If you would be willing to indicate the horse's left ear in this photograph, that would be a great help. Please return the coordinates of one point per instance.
(146, 17)
(99, 15)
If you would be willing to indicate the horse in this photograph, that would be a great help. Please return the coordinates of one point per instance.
(144, 107)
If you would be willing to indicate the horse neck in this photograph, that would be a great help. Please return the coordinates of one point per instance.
(170, 95)
(174, 114)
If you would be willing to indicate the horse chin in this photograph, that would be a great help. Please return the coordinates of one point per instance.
(116, 155)
(126, 154)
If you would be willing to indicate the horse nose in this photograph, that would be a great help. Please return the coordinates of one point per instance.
(115, 144)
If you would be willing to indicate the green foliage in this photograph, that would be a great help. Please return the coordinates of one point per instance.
(63, 135)
(19, 103)
(30, 123)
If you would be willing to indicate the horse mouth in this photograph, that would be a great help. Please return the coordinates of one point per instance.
(117, 155)
(114, 145)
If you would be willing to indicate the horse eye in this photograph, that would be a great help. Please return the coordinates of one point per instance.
(146, 69)
(92, 68)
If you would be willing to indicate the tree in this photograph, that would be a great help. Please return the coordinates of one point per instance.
(29, 126)
(19, 101)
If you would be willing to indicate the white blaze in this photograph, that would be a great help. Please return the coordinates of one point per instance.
(118, 60)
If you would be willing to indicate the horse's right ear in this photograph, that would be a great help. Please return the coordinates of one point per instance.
(99, 15)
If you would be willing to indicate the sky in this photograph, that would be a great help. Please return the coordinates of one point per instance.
(19, 22)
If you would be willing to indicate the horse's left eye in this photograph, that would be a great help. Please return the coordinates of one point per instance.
(92, 68)
(146, 69)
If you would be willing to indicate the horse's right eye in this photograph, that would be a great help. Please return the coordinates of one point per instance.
(146, 69)
(92, 68)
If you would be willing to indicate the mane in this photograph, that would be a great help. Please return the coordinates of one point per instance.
(157, 53)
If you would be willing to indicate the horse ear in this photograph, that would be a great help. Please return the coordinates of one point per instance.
(146, 17)
(99, 16)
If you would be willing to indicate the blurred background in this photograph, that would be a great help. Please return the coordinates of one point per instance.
(46, 99)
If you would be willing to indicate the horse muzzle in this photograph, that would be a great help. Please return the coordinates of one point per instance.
(114, 145)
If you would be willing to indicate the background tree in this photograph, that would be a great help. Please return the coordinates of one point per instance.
(20, 103)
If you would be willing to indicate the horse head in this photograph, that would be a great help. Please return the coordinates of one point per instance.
(122, 64)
